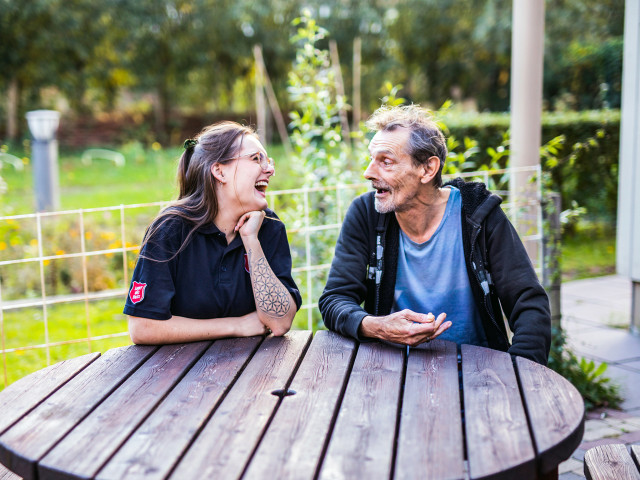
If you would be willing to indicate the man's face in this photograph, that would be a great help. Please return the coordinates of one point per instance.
(392, 172)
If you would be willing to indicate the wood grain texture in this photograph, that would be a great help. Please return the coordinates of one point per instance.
(556, 412)
(155, 447)
(430, 444)
(23, 395)
(607, 462)
(635, 454)
(94, 440)
(6, 474)
(362, 442)
(498, 441)
(294, 442)
(35, 434)
(228, 440)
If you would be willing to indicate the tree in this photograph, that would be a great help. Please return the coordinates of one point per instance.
(447, 44)
(196, 55)
(583, 53)
(23, 53)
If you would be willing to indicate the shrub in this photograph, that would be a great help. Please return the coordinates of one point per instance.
(591, 180)
(596, 389)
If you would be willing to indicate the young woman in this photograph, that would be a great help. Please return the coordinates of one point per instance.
(216, 263)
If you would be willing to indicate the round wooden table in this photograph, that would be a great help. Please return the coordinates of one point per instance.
(298, 406)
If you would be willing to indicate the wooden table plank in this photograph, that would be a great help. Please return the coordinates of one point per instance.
(214, 408)
(556, 413)
(362, 442)
(227, 442)
(155, 447)
(610, 462)
(430, 443)
(93, 441)
(34, 435)
(497, 433)
(6, 474)
(25, 394)
(293, 445)
(635, 454)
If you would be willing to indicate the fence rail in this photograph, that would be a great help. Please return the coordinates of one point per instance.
(85, 256)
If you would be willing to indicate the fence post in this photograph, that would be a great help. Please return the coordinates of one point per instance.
(551, 241)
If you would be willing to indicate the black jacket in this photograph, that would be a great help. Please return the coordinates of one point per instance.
(500, 273)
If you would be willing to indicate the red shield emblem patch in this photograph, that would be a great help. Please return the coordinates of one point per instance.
(246, 263)
(137, 292)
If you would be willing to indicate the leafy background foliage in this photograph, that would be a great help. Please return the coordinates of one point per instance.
(173, 58)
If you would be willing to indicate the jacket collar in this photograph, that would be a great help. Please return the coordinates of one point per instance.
(477, 201)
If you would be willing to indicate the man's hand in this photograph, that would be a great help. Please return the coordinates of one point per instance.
(404, 327)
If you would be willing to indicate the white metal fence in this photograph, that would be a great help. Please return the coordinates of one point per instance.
(64, 275)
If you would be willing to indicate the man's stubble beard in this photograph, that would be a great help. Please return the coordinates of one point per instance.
(391, 205)
(384, 207)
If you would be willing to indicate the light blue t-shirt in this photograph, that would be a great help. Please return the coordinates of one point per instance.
(432, 277)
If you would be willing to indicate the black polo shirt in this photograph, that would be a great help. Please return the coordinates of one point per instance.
(208, 278)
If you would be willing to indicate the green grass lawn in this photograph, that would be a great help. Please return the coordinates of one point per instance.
(590, 251)
(147, 176)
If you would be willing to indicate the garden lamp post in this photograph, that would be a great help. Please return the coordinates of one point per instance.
(43, 125)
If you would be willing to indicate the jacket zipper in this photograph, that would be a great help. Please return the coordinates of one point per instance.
(378, 271)
(481, 277)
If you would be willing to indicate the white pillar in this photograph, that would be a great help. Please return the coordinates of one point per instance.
(527, 53)
(628, 229)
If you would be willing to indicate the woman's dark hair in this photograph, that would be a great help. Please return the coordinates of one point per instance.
(197, 202)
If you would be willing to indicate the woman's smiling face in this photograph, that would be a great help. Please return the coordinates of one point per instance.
(248, 180)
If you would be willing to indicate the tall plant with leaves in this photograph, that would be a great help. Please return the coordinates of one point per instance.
(317, 136)
(321, 154)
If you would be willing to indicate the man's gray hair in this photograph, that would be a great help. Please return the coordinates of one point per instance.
(425, 140)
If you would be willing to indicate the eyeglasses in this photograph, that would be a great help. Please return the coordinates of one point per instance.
(265, 162)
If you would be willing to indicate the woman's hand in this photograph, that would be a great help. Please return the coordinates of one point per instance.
(249, 224)
(250, 325)
(146, 331)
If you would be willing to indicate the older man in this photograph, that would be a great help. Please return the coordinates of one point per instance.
(415, 247)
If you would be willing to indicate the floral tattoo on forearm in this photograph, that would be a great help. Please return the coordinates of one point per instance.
(271, 297)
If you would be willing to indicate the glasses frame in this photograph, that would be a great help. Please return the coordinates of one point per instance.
(264, 161)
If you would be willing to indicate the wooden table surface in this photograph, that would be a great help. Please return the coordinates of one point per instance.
(290, 407)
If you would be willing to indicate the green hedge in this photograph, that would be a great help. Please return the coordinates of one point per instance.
(591, 181)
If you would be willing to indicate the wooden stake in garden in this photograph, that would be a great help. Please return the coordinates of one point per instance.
(357, 62)
(12, 109)
(335, 63)
(261, 105)
(264, 84)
